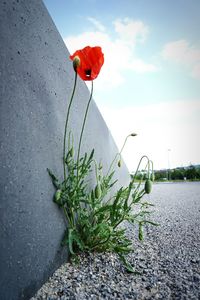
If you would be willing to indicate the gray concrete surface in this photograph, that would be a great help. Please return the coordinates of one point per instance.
(36, 79)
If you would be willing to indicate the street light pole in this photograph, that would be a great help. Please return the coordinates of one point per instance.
(168, 152)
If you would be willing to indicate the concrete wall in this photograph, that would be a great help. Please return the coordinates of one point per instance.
(36, 80)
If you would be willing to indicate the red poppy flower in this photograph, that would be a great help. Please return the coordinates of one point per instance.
(91, 61)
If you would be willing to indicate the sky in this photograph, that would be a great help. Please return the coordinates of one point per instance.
(150, 81)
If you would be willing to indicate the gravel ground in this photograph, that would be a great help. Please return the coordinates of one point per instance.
(168, 258)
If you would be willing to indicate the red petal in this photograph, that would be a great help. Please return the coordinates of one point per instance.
(91, 59)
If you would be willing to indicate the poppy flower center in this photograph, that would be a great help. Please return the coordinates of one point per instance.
(88, 72)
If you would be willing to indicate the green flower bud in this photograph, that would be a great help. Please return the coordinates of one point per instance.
(76, 63)
(71, 152)
(119, 163)
(97, 191)
(148, 186)
(57, 196)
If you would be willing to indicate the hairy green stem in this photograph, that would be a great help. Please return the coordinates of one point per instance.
(66, 123)
(118, 154)
(83, 126)
(140, 182)
(67, 216)
(132, 182)
(152, 170)
(144, 156)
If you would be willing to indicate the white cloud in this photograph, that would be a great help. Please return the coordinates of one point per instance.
(196, 71)
(97, 24)
(131, 31)
(140, 66)
(169, 125)
(182, 53)
(119, 55)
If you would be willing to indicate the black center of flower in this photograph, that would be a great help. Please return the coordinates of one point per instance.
(88, 72)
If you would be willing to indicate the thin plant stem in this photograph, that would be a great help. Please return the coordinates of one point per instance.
(83, 126)
(152, 170)
(66, 123)
(144, 156)
(118, 154)
(141, 179)
(67, 216)
(132, 182)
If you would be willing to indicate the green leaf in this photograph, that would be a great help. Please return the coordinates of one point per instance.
(78, 240)
(110, 176)
(127, 265)
(91, 155)
(140, 235)
(70, 240)
(103, 209)
(147, 204)
(65, 238)
(54, 179)
(150, 222)
(97, 191)
(84, 159)
(123, 249)
(113, 183)
(69, 237)
(117, 198)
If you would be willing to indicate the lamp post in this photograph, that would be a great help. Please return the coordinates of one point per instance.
(168, 156)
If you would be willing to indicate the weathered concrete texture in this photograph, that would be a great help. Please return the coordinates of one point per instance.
(36, 80)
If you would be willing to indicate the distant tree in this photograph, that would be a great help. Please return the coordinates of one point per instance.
(160, 174)
(177, 174)
(198, 172)
(191, 173)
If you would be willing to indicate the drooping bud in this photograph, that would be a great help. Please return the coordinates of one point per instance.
(133, 134)
(148, 186)
(76, 62)
(97, 191)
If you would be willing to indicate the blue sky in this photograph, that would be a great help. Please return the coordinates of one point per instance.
(150, 82)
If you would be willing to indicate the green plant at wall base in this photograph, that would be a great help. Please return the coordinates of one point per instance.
(93, 216)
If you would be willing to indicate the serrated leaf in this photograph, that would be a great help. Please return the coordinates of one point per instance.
(113, 183)
(103, 209)
(91, 155)
(110, 176)
(127, 265)
(54, 179)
